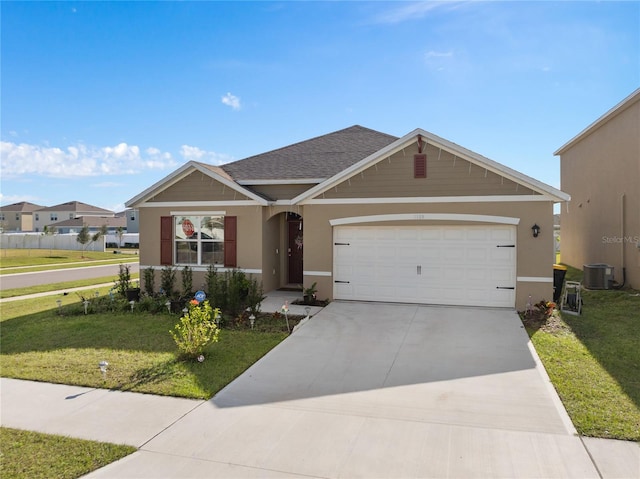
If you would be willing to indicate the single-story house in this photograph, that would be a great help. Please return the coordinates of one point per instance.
(365, 215)
(600, 169)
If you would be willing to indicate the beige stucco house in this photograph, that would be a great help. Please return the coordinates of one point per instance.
(51, 215)
(17, 216)
(366, 216)
(600, 169)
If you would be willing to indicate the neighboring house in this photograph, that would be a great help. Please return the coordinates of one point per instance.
(133, 223)
(18, 216)
(94, 223)
(366, 216)
(51, 215)
(600, 169)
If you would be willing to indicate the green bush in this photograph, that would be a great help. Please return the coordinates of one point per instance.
(149, 278)
(187, 282)
(124, 280)
(168, 281)
(196, 329)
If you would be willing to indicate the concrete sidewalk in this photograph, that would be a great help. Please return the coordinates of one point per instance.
(348, 395)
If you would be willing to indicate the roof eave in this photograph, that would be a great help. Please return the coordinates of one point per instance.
(623, 105)
(179, 174)
(463, 153)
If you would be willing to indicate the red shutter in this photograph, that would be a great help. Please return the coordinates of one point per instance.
(230, 246)
(166, 240)
(420, 166)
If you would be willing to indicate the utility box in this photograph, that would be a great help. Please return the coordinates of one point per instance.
(597, 276)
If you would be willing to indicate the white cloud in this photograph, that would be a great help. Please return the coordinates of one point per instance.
(193, 153)
(434, 54)
(10, 199)
(79, 160)
(415, 11)
(232, 101)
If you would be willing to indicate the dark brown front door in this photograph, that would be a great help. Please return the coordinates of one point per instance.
(295, 252)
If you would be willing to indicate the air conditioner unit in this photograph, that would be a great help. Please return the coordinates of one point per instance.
(597, 276)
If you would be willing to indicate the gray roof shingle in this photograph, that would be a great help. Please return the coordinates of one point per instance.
(320, 157)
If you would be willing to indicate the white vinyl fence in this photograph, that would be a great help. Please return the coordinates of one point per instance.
(42, 241)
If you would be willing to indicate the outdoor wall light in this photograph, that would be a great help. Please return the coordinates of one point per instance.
(536, 230)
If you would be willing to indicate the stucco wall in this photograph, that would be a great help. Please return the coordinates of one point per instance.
(597, 171)
(447, 175)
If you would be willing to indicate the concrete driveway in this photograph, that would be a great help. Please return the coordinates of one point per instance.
(378, 390)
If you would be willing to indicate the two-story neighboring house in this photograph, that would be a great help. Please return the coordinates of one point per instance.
(51, 215)
(600, 169)
(18, 216)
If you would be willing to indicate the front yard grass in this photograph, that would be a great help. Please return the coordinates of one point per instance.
(32, 455)
(64, 348)
(593, 360)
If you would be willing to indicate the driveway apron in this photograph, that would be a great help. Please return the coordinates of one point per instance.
(379, 390)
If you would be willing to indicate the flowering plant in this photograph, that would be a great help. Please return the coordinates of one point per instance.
(196, 329)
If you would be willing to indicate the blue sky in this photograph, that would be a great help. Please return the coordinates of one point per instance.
(99, 100)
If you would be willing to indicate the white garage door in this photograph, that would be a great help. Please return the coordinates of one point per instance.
(453, 265)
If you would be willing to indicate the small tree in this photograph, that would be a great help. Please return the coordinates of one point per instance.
(120, 234)
(85, 238)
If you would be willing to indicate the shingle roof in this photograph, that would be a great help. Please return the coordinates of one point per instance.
(23, 206)
(320, 157)
(77, 206)
(93, 221)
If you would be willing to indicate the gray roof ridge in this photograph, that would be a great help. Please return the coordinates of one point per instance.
(286, 147)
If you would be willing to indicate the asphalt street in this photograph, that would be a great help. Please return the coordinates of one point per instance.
(24, 280)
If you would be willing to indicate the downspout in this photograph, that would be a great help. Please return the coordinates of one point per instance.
(622, 243)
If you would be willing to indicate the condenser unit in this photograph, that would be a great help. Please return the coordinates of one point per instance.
(597, 276)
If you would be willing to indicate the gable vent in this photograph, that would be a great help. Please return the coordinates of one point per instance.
(420, 166)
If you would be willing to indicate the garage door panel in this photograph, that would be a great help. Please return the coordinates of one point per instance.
(459, 265)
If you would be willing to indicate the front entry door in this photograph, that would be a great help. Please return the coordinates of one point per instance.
(295, 252)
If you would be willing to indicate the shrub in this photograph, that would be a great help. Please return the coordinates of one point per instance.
(216, 288)
(196, 329)
(124, 280)
(255, 296)
(187, 282)
(168, 281)
(149, 277)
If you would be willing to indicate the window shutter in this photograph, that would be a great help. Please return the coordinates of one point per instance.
(166, 240)
(420, 166)
(230, 246)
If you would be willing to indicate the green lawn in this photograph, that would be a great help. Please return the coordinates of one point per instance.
(32, 455)
(39, 343)
(42, 288)
(593, 361)
(12, 258)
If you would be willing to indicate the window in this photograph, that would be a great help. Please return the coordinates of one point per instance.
(17, 216)
(133, 217)
(199, 240)
(54, 216)
(37, 217)
(1, 216)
